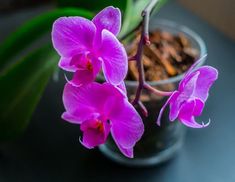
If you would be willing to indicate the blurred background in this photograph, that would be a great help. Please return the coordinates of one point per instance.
(218, 13)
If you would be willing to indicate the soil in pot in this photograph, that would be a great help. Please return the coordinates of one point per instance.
(167, 56)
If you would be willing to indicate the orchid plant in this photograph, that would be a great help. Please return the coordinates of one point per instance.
(85, 46)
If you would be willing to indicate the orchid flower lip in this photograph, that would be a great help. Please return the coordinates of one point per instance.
(89, 65)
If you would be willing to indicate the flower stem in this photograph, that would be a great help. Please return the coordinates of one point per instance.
(133, 58)
(156, 91)
(146, 15)
(144, 40)
(140, 69)
(143, 109)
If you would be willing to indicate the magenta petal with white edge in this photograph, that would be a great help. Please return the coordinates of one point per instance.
(110, 19)
(72, 117)
(128, 152)
(175, 103)
(172, 97)
(72, 35)
(188, 85)
(65, 64)
(186, 90)
(75, 105)
(127, 126)
(206, 78)
(191, 123)
(91, 98)
(122, 88)
(82, 102)
(114, 58)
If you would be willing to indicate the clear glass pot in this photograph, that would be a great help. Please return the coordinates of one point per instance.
(158, 144)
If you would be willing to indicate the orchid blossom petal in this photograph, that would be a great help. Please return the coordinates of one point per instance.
(92, 98)
(186, 90)
(128, 152)
(109, 19)
(127, 126)
(71, 117)
(205, 80)
(65, 63)
(172, 97)
(188, 84)
(114, 58)
(82, 102)
(175, 103)
(72, 35)
(122, 88)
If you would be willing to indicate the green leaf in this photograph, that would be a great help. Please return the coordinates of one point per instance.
(127, 18)
(21, 88)
(25, 35)
(93, 5)
(23, 81)
(132, 16)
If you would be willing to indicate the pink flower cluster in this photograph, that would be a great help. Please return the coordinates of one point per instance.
(100, 109)
(85, 46)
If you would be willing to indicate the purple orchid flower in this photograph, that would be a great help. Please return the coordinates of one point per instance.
(101, 109)
(85, 46)
(189, 100)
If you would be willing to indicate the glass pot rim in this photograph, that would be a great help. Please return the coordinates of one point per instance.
(171, 25)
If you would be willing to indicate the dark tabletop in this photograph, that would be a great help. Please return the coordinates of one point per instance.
(49, 150)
